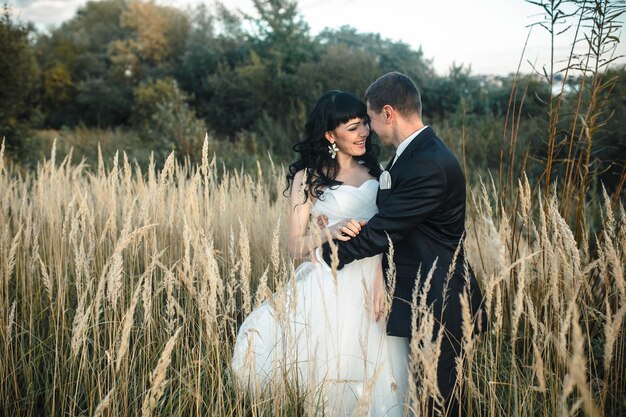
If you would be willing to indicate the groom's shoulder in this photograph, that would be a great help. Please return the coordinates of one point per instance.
(437, 153)
(434, 147)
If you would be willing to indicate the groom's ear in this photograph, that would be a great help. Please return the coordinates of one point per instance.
(388, 112)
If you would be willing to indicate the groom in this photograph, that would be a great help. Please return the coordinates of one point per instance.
(422, 211)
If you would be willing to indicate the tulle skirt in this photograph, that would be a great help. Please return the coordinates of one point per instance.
(319, 334)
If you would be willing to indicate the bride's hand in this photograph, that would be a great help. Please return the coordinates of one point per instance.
(346, 229)
(322, 221)
(379, 292)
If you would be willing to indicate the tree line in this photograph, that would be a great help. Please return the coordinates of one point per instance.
(170, 75)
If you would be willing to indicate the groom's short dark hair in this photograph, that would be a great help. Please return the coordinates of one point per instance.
(396, 90)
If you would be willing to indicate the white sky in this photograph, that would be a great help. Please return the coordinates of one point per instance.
(489, 35)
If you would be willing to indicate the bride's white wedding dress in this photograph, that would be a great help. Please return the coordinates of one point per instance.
(319, 331)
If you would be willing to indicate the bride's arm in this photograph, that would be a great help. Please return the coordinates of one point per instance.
(302, 241)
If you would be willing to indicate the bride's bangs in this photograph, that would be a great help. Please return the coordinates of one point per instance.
(347, 107)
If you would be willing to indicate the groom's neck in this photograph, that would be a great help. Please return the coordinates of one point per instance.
(405, 128)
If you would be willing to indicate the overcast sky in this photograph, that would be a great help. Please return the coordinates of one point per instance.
(489, 35)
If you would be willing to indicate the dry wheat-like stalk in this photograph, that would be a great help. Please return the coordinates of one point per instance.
(538, 363)
(10, 259)
(100, 294)
(609, 251)
(525, 200)
(245, 268)
(10, 322)
(186, 275)
(425, 347)
(115, 271)
(102, 408)
(2, 158)
(262, 292)
(566, 322)
(468, 325)
(171, 305)
(80, 324)
(518, 302)
(47, 281)
(612, 327)
(127, 174)
(158, 381)
(166, 173)
(486, 204)
(210, 288)
(498, 311)
(127, 324)
(232, 283)
(275, 247)
(577, 369)
(493, 242)
(147, 291)
(621, 234)
(114, 279)
(204, 168)
(390, 282)
(364, 401)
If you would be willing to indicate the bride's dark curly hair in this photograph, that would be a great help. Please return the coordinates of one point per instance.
(332, 109)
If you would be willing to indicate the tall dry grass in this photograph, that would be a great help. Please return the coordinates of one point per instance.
(557, 342)
(121, 292)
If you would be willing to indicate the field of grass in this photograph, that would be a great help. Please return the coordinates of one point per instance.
(121, 291)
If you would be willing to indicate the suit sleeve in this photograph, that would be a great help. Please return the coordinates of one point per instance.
(414, 198)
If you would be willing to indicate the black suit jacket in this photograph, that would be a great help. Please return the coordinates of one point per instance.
(424, 215)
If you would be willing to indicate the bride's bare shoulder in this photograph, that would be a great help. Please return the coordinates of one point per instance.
(300, 177)
(299, 181)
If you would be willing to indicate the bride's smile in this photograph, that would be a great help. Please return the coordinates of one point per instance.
(350, 137)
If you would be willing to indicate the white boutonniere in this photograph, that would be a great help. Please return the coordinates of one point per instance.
(385, 180)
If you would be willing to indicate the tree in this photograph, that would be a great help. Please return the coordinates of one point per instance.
(388, 55)
(455, 92)
(216, 44)
(339, 67)
(282, 36)
(265, 83)
(157, 35)
(81, 44)
(74, 60)
(18, 78)
(103, 104)
(164, 119)
(281, 45)
(92, 62)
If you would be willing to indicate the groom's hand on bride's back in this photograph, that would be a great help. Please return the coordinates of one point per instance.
(344, 230)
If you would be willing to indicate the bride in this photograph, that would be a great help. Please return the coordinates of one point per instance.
(322, 331)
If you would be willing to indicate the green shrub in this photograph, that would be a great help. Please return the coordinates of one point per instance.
(165, 121)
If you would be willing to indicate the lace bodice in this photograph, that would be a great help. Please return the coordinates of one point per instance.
(348, 202)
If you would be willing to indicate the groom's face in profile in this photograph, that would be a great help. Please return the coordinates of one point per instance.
(380, 125)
